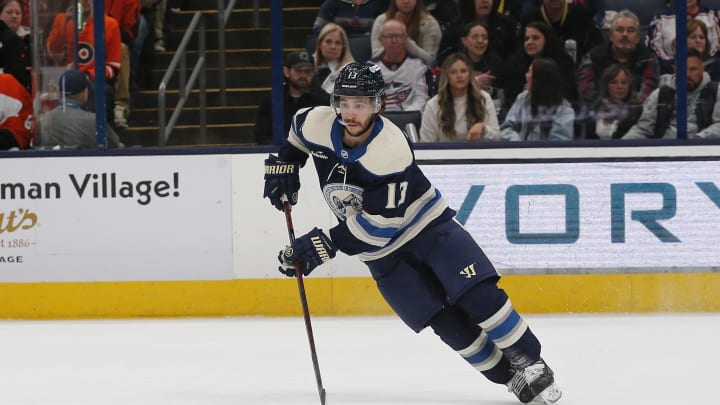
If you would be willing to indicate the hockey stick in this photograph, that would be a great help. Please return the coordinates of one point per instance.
(303, 300)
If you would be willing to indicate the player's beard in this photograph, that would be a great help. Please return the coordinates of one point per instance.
(356, 135)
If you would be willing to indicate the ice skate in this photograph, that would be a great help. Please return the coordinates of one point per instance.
(535, 384)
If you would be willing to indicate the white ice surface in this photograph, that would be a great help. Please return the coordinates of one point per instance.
(658, 359)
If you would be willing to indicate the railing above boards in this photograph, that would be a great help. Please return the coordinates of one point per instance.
(185, 85)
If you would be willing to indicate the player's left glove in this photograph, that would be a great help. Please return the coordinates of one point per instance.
(281, 178)
(310, 250)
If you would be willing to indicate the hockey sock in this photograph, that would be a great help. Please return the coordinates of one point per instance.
(489, 307)
(472, 344)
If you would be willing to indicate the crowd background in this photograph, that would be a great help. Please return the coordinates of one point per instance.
(610, 65)
(37, 52)
(599, 67)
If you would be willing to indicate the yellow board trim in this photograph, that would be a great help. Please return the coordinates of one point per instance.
(673, 292)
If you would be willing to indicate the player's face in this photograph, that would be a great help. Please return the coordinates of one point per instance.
(619, 87)
(11, 15)
(697, 40)
(476, 42)
(534, 42)
(625, 34)
(357, 113)
(459, 76)
(695, 70)
(331, 46)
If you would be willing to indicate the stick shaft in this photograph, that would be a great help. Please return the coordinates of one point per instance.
(305, 308)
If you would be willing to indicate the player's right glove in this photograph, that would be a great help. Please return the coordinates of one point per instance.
(310, 250)
(281, 178)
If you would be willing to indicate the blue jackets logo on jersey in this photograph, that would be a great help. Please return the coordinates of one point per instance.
(343, 199)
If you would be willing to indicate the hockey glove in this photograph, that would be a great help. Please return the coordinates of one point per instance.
(281, 178)
(310, 250)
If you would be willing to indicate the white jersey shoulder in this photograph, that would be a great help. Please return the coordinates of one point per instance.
(312, 124)
(389, 152)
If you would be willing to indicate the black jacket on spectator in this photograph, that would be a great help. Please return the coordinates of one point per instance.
(15, 55)
(520, 62)
(626, 115)
(503, 30)
(578, 24)
(264, 122)
(448, 16)
(642, 64)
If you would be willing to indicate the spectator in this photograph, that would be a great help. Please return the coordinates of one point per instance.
(540, 113)
(14, 43)
(406, 76)
(127, 14)
(332, 53)
(299, 93)
(569, 22)
(661, 32)
(659, 120)
(503, 30)
(355, 16)
(697, 39)
(617, 107)
(60, 42)
(461, 111)
(488, 69)
(595, 7)
(423, 30)
(69, 124)
(624, 48)
(159, 25)
(447, 15)
(16, 114)
(540, 41)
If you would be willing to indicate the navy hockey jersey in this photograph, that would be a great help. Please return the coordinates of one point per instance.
(378, 193)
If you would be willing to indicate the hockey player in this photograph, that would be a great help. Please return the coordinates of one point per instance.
(426, 265)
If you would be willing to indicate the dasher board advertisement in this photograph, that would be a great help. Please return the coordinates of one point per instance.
(651, 216)
(127, 218)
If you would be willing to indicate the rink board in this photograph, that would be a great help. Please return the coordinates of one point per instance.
(672, 292)
(571, 229)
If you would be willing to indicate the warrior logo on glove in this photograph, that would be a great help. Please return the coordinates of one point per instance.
(309, 251)
(281, 179)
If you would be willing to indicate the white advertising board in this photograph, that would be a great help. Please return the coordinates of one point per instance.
(116, 218)
(588, 216)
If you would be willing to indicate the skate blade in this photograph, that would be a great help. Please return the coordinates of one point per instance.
(548, 396)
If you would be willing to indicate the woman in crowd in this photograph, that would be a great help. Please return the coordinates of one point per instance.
(461, 111)
(332, 53)
(617, 107)
(488, 69)
(540, 42)
(540, 113)
(697, 33)
(14, 42)
(502, 29)
(661, 31)
(422, 28)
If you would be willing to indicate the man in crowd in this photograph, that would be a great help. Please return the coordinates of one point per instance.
(624, 48)
(406, 76)
(659, 119)
(61, 44)
(300, 91)
(69, 124)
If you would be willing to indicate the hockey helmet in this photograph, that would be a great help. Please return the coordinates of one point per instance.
(360, 79)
